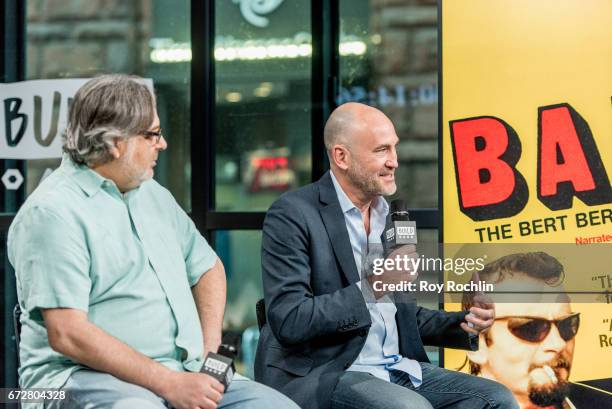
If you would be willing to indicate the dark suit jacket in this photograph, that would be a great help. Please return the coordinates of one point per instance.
(317, 319)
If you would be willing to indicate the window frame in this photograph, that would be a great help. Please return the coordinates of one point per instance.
(325, 81)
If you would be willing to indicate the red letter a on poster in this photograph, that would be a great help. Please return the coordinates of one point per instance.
(486, 150)
(568, 162)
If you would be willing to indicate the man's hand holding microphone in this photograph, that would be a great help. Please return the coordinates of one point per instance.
(188, 390)
(399, 241)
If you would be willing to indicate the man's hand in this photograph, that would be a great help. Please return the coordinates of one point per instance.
(402, 268)
(188, 390)
(481, 316)
(403, 257)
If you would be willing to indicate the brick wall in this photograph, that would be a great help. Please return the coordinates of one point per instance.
(71, 38)
(408, 55)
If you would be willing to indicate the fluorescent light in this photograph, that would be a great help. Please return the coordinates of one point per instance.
(169, 55)
(233, 97)
(262, 92)
(352, 48)
(165, 50)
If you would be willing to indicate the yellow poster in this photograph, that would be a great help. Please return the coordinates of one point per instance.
(527, 158)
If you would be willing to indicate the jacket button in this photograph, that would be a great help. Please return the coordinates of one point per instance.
(347, 365)
(363, 332)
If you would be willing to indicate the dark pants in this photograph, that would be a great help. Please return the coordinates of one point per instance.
(441, 388)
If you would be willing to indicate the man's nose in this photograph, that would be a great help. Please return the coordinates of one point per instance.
(392, 163)
(553, 341)
(392, 160)
(162, 145)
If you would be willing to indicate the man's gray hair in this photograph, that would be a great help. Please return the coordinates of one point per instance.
(106, 108)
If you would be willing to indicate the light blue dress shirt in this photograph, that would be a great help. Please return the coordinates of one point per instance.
(380, 353)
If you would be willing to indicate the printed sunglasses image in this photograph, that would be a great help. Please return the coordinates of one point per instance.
(532, 329)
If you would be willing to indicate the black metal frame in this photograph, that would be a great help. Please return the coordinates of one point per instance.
(424, 218)
(325, 76)
(12, 26)
(12, 68)
(202, 113)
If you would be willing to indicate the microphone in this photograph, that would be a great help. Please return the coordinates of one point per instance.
(399, 230)
(220, 365)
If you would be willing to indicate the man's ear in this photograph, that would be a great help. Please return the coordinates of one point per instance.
(480, 356)
(115, 149)
(340, 156)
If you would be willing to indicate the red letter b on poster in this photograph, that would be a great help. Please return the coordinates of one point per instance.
(486, 150)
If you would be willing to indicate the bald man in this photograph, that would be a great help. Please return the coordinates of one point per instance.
(323, 344)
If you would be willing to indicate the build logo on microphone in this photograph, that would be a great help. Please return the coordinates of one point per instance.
(406, 232)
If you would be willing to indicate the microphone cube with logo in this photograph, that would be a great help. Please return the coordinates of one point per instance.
(402, 232)
(399, 229)
(220, 366)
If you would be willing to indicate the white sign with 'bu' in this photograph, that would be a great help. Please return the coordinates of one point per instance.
(33, 117)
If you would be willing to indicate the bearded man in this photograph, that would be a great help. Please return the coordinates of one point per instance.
(530, 346)
(324, 345)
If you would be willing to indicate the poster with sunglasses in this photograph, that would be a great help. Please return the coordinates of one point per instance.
(526, 161)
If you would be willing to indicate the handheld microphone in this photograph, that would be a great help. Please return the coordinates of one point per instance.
(399, 230)
(220, 365)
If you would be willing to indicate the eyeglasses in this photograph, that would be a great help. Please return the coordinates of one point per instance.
(537, 329)
(153, 136)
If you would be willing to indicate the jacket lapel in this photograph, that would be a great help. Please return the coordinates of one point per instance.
(334, 223)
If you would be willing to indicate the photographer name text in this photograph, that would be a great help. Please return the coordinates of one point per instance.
(426, 286)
